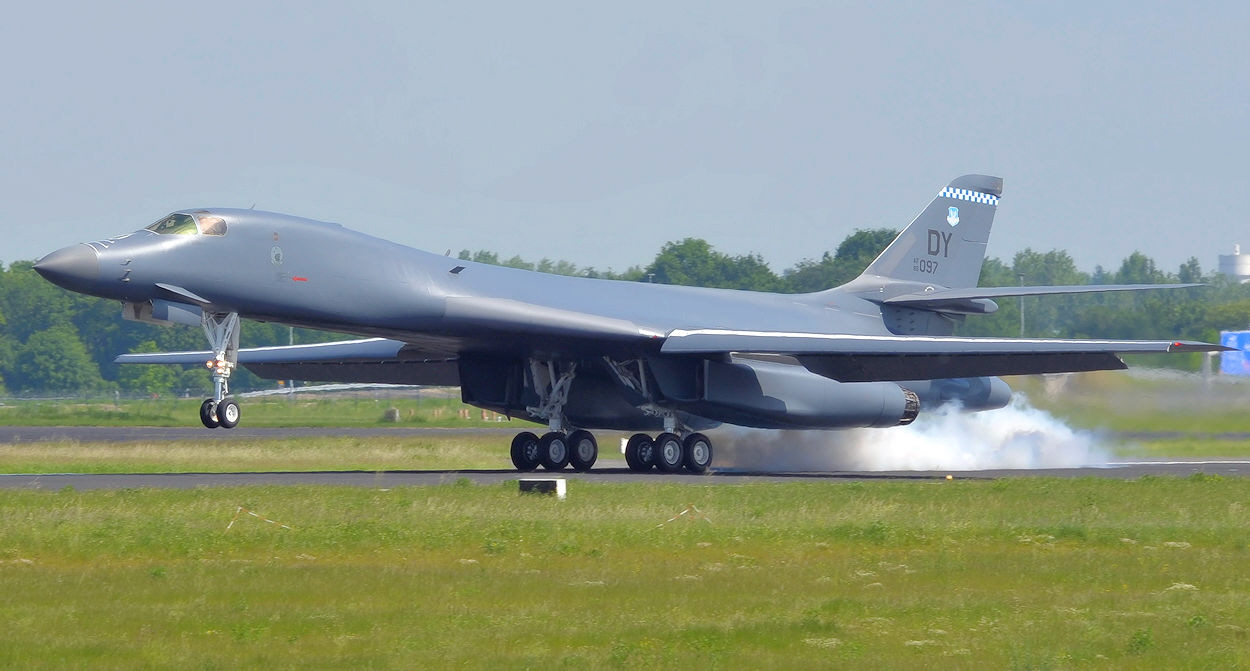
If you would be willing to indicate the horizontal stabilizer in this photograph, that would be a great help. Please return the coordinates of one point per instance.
(971, 300)
(976, 301)
(863, 358)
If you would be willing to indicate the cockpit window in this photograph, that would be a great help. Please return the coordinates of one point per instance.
(185, 224)
(210, 225)
(175, 224)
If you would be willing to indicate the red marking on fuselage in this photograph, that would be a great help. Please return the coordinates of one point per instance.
(299, 279)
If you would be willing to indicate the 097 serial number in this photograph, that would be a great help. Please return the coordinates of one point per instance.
(927, 266)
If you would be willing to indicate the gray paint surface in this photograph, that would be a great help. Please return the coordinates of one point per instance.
(430, 319)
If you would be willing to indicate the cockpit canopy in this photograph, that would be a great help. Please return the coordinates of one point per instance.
(195, 223)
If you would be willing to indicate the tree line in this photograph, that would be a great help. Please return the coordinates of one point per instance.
(56, 342)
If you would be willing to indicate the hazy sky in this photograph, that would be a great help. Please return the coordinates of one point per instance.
(596, 133)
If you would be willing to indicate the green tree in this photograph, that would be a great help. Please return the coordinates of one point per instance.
(148, 379)
(693, 262)
(1139, 269)
(1046, 316)
(1233, 315)
(850, 259)
(1006, 320)
(55, 360)
(1190, 272)
(480, 256)
(31, 304)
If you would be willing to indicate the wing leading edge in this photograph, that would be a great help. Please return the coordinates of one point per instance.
(368, 360)
(867, 358)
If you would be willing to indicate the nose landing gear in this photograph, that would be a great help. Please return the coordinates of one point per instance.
(222, 329)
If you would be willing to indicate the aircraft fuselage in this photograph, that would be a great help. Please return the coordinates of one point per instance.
(580, 353)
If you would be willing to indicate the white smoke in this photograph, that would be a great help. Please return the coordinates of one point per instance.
(1018, 437)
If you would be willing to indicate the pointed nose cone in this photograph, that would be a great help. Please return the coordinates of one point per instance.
(76, 268)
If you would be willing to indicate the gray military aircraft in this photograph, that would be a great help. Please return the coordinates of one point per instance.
(577, 353)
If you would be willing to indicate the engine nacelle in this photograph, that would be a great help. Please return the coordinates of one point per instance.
(774, 395)
(971, 393)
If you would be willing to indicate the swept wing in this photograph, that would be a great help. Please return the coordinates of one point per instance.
(865, 358)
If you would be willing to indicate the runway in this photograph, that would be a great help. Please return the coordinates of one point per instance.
(607, 470)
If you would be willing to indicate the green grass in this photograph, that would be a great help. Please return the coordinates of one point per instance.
(1116, 401)
(1185, 448)
(282, 454)
(434, 408)
(1019, 573)
(386, 453)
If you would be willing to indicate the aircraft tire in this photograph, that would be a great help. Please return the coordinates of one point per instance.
(668, 452)
(228, 413)
(697, 453)
(208, 414)
(583, 450)
(553, 451)
(640, 452)
(525, 451)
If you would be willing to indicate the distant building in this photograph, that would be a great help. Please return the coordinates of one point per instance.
(1236, 265)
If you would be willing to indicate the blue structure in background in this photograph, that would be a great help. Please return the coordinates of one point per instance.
(1235, 363)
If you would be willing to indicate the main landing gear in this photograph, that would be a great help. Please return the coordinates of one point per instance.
(554, 451)
(667, 452)
(222, 329)
(557, 448)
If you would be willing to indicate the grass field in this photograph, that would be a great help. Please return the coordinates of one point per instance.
(1021, 573)
(435, 407)
(1118, 401)
(458, 452)
(284, 454)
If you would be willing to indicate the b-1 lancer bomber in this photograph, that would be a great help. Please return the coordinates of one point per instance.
(576, 354)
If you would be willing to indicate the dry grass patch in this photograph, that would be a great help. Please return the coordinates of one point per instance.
(331, 453)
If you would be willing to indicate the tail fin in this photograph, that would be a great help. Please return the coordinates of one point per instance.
(945, 244)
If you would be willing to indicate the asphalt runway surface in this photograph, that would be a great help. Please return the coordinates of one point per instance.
(607, 470)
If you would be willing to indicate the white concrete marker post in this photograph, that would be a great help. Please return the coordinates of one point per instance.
(543, 486)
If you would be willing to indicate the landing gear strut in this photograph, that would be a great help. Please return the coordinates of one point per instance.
(222, 329)
(556, 449)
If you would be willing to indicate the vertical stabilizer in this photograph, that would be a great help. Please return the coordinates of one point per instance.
(945, 244)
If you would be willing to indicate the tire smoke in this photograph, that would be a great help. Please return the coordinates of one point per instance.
(1016, 437)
